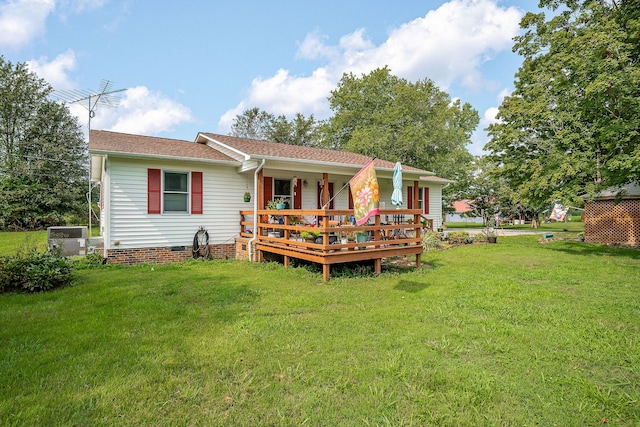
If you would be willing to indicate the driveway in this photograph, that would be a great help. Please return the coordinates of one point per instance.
(499, 231)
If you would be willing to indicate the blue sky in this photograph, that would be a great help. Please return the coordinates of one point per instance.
(193, 65)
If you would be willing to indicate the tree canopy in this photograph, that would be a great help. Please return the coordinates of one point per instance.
(258, 124)
(43, 159)
(572, 124)
(379, 114)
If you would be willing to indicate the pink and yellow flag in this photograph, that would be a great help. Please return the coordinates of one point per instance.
(365, 193)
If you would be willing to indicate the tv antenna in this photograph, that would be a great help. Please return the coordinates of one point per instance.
(105, 97)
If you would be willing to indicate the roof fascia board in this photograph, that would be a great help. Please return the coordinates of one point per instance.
(162, 157)
(436, 181)
(289, 164)
(228, 148)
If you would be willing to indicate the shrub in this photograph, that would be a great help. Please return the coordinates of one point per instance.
(91, 261)
(34, 271)
(431, 240)
(479, 237)
(458, 237)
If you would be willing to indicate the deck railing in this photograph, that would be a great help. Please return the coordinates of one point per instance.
(392, 232)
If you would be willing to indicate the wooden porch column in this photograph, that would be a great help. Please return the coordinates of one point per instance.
(325, 272)
(260, 189)
(378, 266)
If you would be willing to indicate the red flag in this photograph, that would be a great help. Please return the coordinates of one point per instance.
(365, 193)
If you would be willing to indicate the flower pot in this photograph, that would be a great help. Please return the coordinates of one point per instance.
(361, 238)
(492, 239)
(247, 199)
(280, 206)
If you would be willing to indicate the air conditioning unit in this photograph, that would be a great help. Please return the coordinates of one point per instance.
(68, 240)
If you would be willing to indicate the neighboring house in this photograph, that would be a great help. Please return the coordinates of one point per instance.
(611, 221)
(157, 192)
(460, 214)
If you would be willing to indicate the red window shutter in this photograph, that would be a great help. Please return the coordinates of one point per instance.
(196, 192)
(425, 200)
(268, 191)
(297, 195)
(154, 190)
(410, 198)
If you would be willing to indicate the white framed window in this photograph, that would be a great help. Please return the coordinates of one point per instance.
(282, 190)
(175, 192)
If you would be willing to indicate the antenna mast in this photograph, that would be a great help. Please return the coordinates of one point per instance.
(104, 97)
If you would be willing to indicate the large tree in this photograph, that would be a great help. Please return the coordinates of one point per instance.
(43, 159)
(572, 124)
(255, 123)
(379, 114)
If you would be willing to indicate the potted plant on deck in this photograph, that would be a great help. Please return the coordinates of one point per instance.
(247, 196)
(361, 237)
(350, 239)
(280, 203)
(309, 236)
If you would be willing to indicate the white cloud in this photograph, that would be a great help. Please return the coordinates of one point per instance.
(448, 45)
(141, 111)
(55, 72)
(138, 110)
(489, 117)
(285, 94)
(21, 21)
(502, 95)
(313, 47)
(79, 6)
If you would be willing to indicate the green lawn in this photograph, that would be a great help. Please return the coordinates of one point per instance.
(11, 241)
(517, 333)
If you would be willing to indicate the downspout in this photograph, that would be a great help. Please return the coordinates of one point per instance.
(106, 226)
(255, 210)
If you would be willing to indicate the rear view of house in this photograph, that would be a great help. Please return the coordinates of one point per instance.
(156, 193)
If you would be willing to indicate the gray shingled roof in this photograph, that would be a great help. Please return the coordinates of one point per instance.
(268, 149)
(114, 142)
(629, 190)
(148, 146)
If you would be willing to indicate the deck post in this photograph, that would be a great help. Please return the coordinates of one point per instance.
(378, 266)
(325, 272)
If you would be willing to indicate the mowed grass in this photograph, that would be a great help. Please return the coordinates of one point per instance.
(517, 333)
(10, 242)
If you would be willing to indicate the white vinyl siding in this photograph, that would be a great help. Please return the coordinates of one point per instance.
(127, 222)
(131, 226)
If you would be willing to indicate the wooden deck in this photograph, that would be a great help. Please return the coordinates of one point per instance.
(393, 232)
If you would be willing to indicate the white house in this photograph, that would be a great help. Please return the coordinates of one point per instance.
(156, 193)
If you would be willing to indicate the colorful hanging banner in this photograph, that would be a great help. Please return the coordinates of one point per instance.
(558, 213)
(365, 193)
